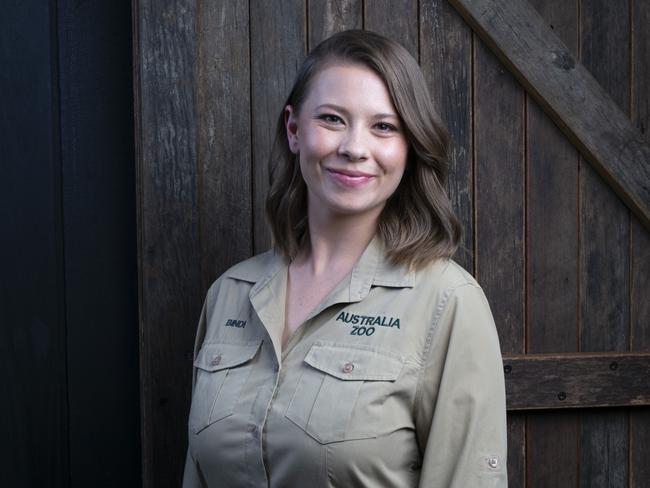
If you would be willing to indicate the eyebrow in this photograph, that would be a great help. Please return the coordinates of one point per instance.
(338, 108)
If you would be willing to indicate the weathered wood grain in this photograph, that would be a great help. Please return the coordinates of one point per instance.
(605, 251)
(640, 341)
(604, 448)
(604, 261)
(517, 455)
(278, 46)
(499, 213)
(552, 227)
(565, 89)
(570, 380)
(499, 180)
(640, 288)
(223, 136)
(329, 16)
(446, 61)
(552, 266)
(640, 248)
(396, 19)
(168, 212)
(552, 447)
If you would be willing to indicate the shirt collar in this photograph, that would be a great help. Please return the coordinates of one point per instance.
(372, 269)
(268, 272)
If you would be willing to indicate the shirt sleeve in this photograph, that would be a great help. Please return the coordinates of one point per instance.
(460, 405)
(192, 477)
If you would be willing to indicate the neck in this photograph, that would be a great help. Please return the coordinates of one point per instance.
(336, 241)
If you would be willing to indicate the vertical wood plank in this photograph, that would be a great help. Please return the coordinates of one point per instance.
(395, 19)
(640, 417)
(552, 227)
(499, 135)
(640, 258)
(552, 447)
(604, 440)
(169, 246)
(552, 266)
(329, 16)
(224, 135)
(604, 248)
(278, 43)
(499, 207)
(446, 61)
(33, 412)
(517, 449)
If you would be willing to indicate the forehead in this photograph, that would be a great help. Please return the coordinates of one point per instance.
(345, 83)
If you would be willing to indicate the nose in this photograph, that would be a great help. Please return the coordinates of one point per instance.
(353, 145)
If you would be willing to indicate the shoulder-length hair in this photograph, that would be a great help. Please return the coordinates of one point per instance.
(417, 224)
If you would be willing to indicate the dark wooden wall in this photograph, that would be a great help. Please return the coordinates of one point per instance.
(564, 263)
(69, 414)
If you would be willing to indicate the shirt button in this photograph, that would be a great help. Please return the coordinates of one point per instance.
(216, 360)
(348, 367)
(493, 462)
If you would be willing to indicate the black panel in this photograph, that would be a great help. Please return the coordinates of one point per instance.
(69, 414)
(33, 409)
(100, 245)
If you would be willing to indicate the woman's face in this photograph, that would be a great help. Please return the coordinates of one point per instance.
(351, 145)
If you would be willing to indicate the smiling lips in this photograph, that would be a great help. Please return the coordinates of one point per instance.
(350, 178)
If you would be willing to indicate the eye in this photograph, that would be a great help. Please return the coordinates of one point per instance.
(331, 119)
(385, 127)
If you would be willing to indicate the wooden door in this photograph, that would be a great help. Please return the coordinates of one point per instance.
(564, 259)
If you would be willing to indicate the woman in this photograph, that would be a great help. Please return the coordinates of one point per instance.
(356, 353)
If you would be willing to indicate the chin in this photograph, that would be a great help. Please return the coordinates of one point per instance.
(350, 209)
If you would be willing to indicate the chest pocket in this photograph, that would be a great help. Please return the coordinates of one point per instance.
(341, 392)
(221, 372)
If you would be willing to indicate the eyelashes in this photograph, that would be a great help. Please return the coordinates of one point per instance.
(333, 119)
(330, 118)
(386, 127)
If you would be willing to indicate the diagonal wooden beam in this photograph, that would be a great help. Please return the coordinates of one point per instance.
(568, 94)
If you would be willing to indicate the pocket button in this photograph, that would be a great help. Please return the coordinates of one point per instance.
(216, 360)
(493, 462)
(348, 367)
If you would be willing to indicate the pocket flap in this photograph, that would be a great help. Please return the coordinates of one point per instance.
(348, 362)
(214, 357)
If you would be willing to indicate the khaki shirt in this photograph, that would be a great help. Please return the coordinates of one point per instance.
(394, 380)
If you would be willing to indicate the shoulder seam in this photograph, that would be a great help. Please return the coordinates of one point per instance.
(440, 308)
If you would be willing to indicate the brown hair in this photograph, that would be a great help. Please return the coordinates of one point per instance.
(417, 225)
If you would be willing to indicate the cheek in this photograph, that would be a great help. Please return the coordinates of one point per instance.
(394, 157)
(319, 142)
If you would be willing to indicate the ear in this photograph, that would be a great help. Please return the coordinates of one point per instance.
(291, 126)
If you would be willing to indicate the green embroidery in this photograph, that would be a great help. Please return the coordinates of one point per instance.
(368, 320)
